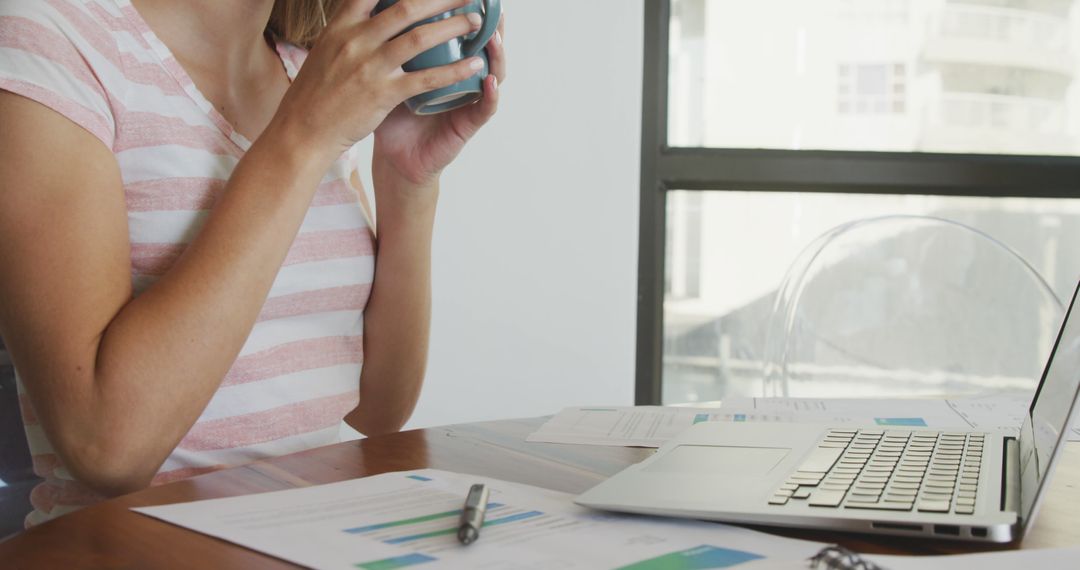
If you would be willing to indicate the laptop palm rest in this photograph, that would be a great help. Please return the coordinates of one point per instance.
(747, 462)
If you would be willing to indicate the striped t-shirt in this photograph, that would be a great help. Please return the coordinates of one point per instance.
(98, 63)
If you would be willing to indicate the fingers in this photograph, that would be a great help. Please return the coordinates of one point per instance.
(469, 120)
(497, 53)
(405, 13)
(418, 82)
(409, 45)
(486, 107)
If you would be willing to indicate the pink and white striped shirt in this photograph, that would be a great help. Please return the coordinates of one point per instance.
(98, 63)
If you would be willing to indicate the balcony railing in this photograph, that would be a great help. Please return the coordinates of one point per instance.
(998, 112)
(1006, 25)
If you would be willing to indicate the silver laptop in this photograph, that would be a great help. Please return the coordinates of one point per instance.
(951, 484)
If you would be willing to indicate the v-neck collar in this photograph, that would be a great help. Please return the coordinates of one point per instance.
(180, 75)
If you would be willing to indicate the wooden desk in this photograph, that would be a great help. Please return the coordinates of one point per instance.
(109, 535)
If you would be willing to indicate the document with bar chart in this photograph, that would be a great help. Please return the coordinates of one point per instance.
(409, 520)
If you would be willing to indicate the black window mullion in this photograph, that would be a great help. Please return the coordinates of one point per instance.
(652, 207)
(869, 172)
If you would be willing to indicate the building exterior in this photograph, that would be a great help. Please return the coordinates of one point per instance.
(949, 76)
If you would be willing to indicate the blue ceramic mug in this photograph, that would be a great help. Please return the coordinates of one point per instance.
(464, 92)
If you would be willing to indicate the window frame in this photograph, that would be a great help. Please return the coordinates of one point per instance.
(665, 168)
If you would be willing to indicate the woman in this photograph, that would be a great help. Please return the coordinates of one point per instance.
(187, 272)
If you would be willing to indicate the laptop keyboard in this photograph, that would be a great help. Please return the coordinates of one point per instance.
(891, 470)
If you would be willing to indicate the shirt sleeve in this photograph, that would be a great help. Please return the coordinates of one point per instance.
(51, 52)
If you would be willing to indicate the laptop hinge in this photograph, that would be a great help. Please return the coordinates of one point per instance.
(1010, 477)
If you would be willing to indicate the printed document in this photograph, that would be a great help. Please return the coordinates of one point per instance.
(405, 519)
(628, 426)
(1001, 412)
(651, 426)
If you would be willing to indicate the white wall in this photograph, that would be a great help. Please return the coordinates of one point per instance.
(536, 236)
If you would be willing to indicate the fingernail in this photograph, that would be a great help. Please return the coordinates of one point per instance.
(476, 63)
(474, 20)
(498, 39)
(494, 83)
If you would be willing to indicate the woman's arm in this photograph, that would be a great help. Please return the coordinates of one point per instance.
(398, 314)
(410, 155)
(116, 382)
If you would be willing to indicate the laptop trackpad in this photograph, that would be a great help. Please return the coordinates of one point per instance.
(746, 462)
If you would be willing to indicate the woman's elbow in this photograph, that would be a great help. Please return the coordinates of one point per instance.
(107, 469)
(381, 422)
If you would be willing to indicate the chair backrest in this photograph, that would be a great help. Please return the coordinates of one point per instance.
(17, 477)
(908, 305)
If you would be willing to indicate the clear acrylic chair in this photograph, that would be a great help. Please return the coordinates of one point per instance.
(17, 477)
(908, 306)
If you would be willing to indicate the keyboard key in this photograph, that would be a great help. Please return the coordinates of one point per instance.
(820, 460)
(965, 510)
(801, 494)
(965, 502)
(825, 498)
(885, 506)
(778, 500)
(928, 506)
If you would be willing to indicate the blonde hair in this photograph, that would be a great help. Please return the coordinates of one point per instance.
(301, 21)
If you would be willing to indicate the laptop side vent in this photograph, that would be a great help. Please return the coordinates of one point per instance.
(897, 526)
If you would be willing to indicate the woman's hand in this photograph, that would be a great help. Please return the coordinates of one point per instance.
(416, 149)
(352, 78)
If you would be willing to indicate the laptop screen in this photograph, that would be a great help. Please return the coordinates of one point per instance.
(1047, 423)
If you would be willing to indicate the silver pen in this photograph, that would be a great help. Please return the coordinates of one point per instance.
(472, 514)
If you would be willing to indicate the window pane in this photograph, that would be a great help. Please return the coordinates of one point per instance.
(973, 76)
(932, 265)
